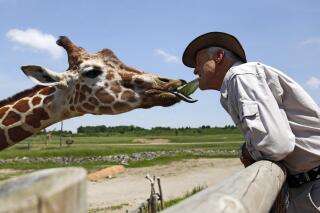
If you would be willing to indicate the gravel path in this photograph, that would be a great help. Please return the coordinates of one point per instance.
(131, 188)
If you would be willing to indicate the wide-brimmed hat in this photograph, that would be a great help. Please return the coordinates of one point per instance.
(212, 39)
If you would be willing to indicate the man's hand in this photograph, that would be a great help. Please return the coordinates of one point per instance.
(245, 157)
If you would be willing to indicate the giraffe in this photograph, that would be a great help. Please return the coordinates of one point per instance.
(94, 83)
(48, 138)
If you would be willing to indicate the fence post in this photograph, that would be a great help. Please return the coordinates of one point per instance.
(51, 191)
(160, 193)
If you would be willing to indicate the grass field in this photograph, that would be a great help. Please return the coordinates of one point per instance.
(116, 145)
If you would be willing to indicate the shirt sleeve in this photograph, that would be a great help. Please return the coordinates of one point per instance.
(264, 124)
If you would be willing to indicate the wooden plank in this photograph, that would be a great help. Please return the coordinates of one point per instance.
(50, 191)
(252, 190)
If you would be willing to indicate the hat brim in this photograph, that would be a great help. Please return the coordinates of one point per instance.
(212, 39)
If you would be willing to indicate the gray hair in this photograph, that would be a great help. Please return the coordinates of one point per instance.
(228, 54)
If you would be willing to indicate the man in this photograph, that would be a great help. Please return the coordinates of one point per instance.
(279, 120)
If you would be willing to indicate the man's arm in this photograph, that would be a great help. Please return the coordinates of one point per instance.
(267, 131)
(245, 156)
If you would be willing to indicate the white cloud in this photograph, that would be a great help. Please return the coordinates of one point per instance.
(314, 82)
(167, 56)
(311, 41)
(36, 40)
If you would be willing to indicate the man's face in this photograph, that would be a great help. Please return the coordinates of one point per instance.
(206, 68)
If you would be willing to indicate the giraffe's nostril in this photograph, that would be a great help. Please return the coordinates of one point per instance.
(164, 80)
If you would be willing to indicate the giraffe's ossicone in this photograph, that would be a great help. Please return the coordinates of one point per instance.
(96, 83)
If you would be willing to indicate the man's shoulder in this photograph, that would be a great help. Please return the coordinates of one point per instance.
(253, 68)
(245, 68)
(238, 70)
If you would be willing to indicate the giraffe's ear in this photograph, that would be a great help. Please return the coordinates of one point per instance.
(43, 76)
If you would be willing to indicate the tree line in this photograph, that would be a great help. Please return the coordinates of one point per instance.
(139, 131)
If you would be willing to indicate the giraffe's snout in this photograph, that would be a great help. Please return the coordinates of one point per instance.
(169, 85)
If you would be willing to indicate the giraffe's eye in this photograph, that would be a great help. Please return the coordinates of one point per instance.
(92, 73)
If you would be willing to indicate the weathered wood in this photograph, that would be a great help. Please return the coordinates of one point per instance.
(154, 199)
(160, 193)
(47, 191)
(251, 190)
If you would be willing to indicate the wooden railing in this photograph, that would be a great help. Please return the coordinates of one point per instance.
(252, 190)
(56, 190)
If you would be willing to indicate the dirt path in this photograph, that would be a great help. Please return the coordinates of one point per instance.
(131, 188)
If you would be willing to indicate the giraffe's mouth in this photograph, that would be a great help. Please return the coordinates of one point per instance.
(184, 91)
(172, 92)
(176, 93)
(184, 97)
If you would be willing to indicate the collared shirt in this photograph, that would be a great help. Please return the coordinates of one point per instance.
(277, 117)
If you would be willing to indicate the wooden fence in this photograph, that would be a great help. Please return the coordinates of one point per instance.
(251, 190)
(60, 190)
(56, 190)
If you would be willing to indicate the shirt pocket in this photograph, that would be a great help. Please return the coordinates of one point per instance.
(250, 118)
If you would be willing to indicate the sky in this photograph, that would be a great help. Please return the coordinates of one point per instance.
(152, 35)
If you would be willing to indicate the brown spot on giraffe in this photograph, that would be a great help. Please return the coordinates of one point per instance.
(85, 89)
(115, 87)
(47, 91)
(128, 85)
(106, 109)
(79, 109)
(3, 111)
(110, 76)
(38, 115)
(18, 133)
(22, 106)
(11, 118)
(139, 81)
(3, 140)
(82, 97)
(88, 106)
(131, 69)
(36, 101)
(93, 101)
(121, 107)
(127, 80)
(104, 96)
(126, 76)
(128, 96)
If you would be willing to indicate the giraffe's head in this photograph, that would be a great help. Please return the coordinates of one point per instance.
(101, 84)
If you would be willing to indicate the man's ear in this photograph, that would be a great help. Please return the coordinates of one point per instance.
(43, 76)
(219, 56)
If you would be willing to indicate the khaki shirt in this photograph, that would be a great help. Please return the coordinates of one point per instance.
(277, 117)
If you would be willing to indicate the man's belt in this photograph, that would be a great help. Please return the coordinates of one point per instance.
(305, 177)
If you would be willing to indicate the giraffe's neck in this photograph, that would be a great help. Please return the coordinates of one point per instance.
(30, 111)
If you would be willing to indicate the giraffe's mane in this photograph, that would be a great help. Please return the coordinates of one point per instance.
(25, 93)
